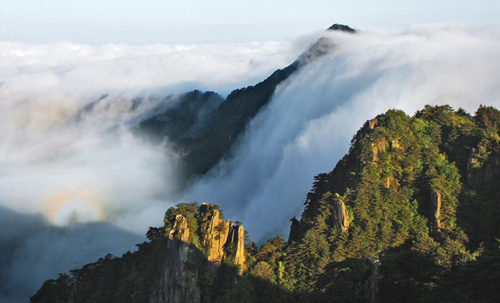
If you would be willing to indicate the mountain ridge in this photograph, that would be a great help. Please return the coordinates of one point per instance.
(227, 121)
(390, 223)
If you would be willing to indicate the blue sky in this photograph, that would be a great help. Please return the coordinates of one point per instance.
(219, 21)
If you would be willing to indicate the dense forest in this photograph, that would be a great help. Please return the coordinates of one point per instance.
(410, 214)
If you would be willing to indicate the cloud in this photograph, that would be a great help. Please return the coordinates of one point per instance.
(61, 68)
(67, 109)
(33, 251)
(75, 183)
(308, 126)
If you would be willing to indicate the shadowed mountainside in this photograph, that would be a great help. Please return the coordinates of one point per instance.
(205, 141)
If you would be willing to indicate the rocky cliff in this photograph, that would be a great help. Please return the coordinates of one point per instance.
(221, 238)
(184, 262)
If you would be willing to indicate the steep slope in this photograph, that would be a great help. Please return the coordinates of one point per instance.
(206, 143)
(186, 260)
(413, 194)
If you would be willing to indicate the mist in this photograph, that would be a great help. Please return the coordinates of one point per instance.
(74, 177)
(76, 184)
(312, 118)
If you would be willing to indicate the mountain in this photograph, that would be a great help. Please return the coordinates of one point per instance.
(203, 127)
(415, 200)
(180, 263)
(410, 214)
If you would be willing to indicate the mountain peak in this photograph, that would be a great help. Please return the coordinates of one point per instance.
(341, 27)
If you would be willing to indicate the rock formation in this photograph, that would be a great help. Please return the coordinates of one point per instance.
(377, 146)
(219, 239)
(372, 123)
(179, 231)
(387, 181)
(215, 232)
(340, 215)
(236, 244)
(294, 231)
(395, 144)
(435, 212)
(371, 290)
(178, 284)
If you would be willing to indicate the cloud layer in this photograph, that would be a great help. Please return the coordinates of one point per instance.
(68, 158)
(309, 124)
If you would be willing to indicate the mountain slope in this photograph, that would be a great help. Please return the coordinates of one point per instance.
(400, 218)
(206, 141)
(418, 194)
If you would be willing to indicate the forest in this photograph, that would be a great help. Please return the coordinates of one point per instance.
(409, 214)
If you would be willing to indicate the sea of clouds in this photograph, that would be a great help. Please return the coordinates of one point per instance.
(314, 115)
(76, 184)
(74, 181)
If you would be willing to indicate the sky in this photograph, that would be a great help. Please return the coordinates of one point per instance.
(76, 185)
(219, 21)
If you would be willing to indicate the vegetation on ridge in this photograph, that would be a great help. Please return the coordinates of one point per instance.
(386, 183)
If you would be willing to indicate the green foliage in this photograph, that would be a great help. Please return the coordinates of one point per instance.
(136, 276)
(188, 211)
(263, 270)
(272, 250)
(386, 180)
(56, 291)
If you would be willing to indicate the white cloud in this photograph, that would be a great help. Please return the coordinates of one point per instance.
(309, 124)
(47, 143)
(68, 157)
(67, 66)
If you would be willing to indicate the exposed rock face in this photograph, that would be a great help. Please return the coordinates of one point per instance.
(236, 240)
(372, 123)
(377, 146)
(435, 212)
(180, 229)
(220, 238)
(294, 231)
(371, 290)
(395, 144)
(179, 284)
(340, 215)
(216, 232)
(220, 235)
(387, 181)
